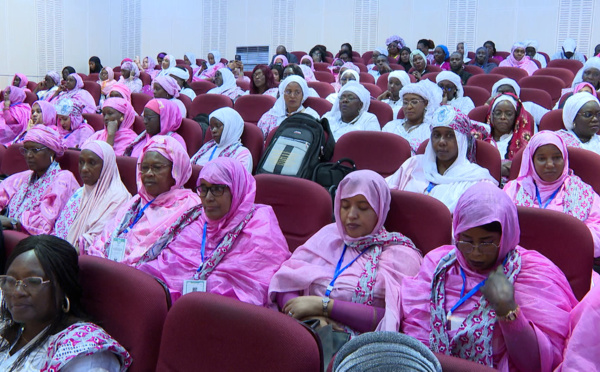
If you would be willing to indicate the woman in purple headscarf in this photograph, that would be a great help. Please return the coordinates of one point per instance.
(130, 76)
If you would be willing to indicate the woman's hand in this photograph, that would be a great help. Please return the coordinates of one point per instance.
(7, 98)
(385, 95)
(304, 307)
(112, 127)
(506, 168)
(417, 75)
(499, 292)
(6, 225)
(444, 97)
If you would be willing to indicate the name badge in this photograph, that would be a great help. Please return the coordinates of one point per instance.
(455, 322)
(116, 250)
(193, 285)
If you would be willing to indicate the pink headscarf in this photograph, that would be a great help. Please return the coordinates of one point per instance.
(19, 110)
(125, 135)
(78, 80)
(151, 65)
(525, 63)
(17, 95)
(99, 202)
(109, 82)
(24, 81)
(308, 73)
(312, 63)
(168, 84)
(170, 115)
(132, 67)
(48, 113)
(46, 136)
(54, 76)
(125, 108)
(580, 86)
(284, 60)
(123, 89)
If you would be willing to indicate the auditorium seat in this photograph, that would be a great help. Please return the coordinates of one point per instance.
(201, 86)
(365, 77)
(324, 89)
(70, 161)
(502, 54)
(299, 54)
(478, 95)
(382, 81)
(128, 170)
(361, 66)
(82, 76)
(31, 97)
(129, 304)
(192, 134)
(382, 110)
(252, 138)
(367, 56)
(302, 207)
(552, 120)
(145, 78)
(232, 335)
(539, 96)
(207, 103)
(94, 89)
(96, 121)
(430, 68)
(430, 76)
(191, 183)
(251, 107)
(373, 89)
(324, 76)
(187, 103)
(546, 57)
(138, 125)
(562, 73)
(322, 66)
(381, 152)
(138, 101)
(413, 214)
(397, 67)
(13, 161)
(479, 113)
(485, 81)
(11, 239)
(474, 70)
(243, 85)
(117, 69)
(550, 84)
(494, 60)
(320, 105)
(572, 65)
(31, 85)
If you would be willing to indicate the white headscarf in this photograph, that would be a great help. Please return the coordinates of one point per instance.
(506, 81)
(279, 109)
(573, 105)
(233, 125)
(180, 73)
(228, 81)
(217, 56)
(466, 52)
(412, 56)
(192, 58)
(429, 91)
(532, 43)
(593, 62)
(400, 75)
(382, 50)
(361, 92)
(454, 79)
(353, 73)
(503, 98)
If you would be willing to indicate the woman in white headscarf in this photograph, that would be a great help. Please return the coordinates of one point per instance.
(396, 81)
(511, 86)
(453, 93)
(213, 64)
(293, 91)
(531, 48)
(589, 73)
(226, 127)
(190, 58)
(346, 76)
(582, 122)
(419, 101)
(168, 62)
(226, 85)
(349, 112)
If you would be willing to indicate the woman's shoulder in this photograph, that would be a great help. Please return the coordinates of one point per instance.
(311, 112)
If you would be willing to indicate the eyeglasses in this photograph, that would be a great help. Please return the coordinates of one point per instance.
(33, 284)
(155, 168)
(589, 115)
(412, 102)
(508, 115)
(485, 248)
(33, 151)
(215, 190)
(348, 97)
(447, 88)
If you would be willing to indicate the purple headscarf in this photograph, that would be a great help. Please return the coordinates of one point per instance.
(168, 84)
(46, 136)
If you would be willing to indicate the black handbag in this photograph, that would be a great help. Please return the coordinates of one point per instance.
(331, 174)
(331, 340)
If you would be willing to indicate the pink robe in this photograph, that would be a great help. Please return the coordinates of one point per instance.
(137, 149)
(76, 138)
(123, 138)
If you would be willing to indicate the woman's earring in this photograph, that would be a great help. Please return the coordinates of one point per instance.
(66, 307)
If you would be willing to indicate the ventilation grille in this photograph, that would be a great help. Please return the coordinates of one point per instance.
(253, 55)
(50, 36)
(366, 14)
(214, 19)
(462, 18)
(131, 21)
(575, 21)
(283, 24)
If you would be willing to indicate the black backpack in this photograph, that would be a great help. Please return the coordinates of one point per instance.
(300, 143)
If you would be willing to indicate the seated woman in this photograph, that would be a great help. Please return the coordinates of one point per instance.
(453, 93)
(349, 112)
(95, 65)
(190, 60)
(337, 85)
(545, 181)
(418, 61)
(167, 63)
(394, 43)
(293, 91)
(581, 87)
(106, 80)
(294, 70)
(487, 299)
(56, 337)
(73, 89)
(166, 87)
(20, 81)
(226, 127)
(160, 58)
(161, 117)
(405, 58)
(463, 49)
(581, 117)
(280, 59)
(396, 81)
(589, 73)
(130, 76)
(118, 120)
(531, 48)
(441, 57)
(241, 246)
(42, 113)
(361, 293)
(344, 77)
(507, 85)
(15, 114)
(517, 58)
(425, 45)
(381, 66)
(419, 101)
(277, 72)
(491, 48)
(91, 207)
(318, 53)
(47, 87)
(147, 65)
(263, 81)
(307, 61)
(119, 91)
(482, 60)
(72, 127)
(210, 68)
(163, 168)
(444, 171)
(34, 198)
(66, 71)
(225, 82)
(181, 76)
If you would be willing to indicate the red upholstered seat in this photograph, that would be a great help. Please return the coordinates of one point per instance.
(251, 107)
(541, 97)
(243, 84)
(474, 70)
(252, 138)
(96, 121)
(232, 335)
(118, 69)
(145, 78)
(478, 95)
(552, 120)
(539, 232)
(431, 76)
(361, 66)
(367, 56)
(191, 183)
(70, 161)
(382, 81)
(572, 65)
(455, 364)
(365, 77)
(321, 66)
(82, 75)
(479, 113)
(502, 54)
(94, 89)
(129, 304)
(324, 76)
(201, 86)
(13, 161)
(562, 73)
(187, 102)
(324, 89)
(179, 62)
(356, 59)
(298, 54)
(320, 105)
(397, 67)
(138, 101)
(494, 60)
(31, 85)
(381, 152)
(11, 239)
(128, 170)
(373, 89)
(138, 125)
(192, 135)
(302, 207)
(31, 97)
(413, 214)
(207, 103)
(550, 84)
(382, 110)
(485, 81)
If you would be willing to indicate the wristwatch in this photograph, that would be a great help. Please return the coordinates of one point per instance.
(14, 222)
(325, 303)
(511, 315)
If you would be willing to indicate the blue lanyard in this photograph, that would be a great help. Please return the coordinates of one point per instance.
(539, 199)
(213, 153)
(67, 136)
(203, 247)
(339, 271)
(429, 187)
(138, 216)
(464, 298)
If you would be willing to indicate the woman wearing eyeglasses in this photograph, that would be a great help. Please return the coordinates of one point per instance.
(486, 299)
(228, 245)
(419, 101)
(581, 117)
(43, 326)
(163, 168)
(453, 93)
(33, 199)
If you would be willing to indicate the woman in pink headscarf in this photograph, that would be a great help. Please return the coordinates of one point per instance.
(210, 67)
(308, 61)
(42, 113)
(15, 114)
(73, 88)
(163, 168)
(518, 58)
(147, 65)
(34, 198)
(93, 205)
(20, 80)
(230, 243)
(119, 91)
(106, 80)
(71, 125)
(161, 117)
(545, 181)
(118, 120)
(349, 272)
(487, 299)
(130, 76)
(346, 66)
(166, 87)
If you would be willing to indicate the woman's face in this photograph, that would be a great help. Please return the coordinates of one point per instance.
(346, 78)
(275, 75)
(350, 105)
(288, 71)
(519, 53)
(103, 75)
(36, 114)
(218, 79)
(306, 62)
(490, 49)
(418, 62)
(37, 156)
(216, 129)
(405, 56)
(31, 305)
(115, 94)
(393, 48)
(259, 78)
(338, 63)
(357, 216)
(394, 86)
(316, 56)
(381, 61)
(592, 76)
(126, 74)
(16, 81)
(90, 167)
(345, 56)
(211, 59)
(460, 47)
(586, 123)
(503, 118)
(548, 162)
(530, 51)
(479, 260)
(92, 65)
(151, 122)
(449, 88)
(480, 56)
(145, 63)
(65, 122)
(292, 95)
(71, 82)
(110, 114)
(278, 61)
(506, 88)
(159, 60)
(65, 73)
(49, 82)
(414, 107)
(439, 55)
(166, 63)
(156, 173)
(423, 48)
(215, 206)
(159, 92)
(444, 144)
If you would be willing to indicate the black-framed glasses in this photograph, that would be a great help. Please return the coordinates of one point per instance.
(154, 168)
(215, 190)
(589, 115)
(485, 248)
(9, 284)
(33, 151)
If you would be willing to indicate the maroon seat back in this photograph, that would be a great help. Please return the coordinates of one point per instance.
(145, 78)
(431, 76)
(324, 76)
(94, 89)
(382, 110)
(70, 161)
(299, 54)
(478, 95)
(552, 120)
(31, 97)
(11, 239)
(187, 102)
(485, 81)
(138, 101)
(397, 67)
(192, 135)
(129, 304)
(474, 70)
(381, 152)
(514, 73)
(539, 232)
(138, 125)
(207, 103)
(365, 77)
(243, 84)
(128, 170)
(201, 86)
(322, 66)
(367, 56)
(302, 207)
(541, 97)
(550, 84)
(251, 107)
(191, 183)
(82, 76)
(13, 161)
(413, 214)
(324, 89)
(254, 337)
(373, 89)
(31, 85)
(572, 65)
(320, 105)
(361, 66)
(562, 73)
(96, 121)
(382, 81)
(502, 54)
(479, 113)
